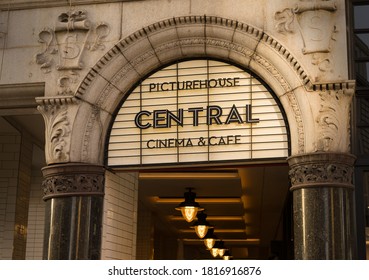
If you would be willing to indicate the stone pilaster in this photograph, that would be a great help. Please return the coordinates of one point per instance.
(323, 198)
(74, 205)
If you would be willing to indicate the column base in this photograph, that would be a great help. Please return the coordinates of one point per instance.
(323, 202)
(74, 206)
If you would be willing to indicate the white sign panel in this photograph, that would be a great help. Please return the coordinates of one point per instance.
(197, 111)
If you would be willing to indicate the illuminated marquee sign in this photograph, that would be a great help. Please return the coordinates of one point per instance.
(195, 112)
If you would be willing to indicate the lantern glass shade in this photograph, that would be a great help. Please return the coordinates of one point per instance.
(189, 213)
(214, 252)
(201, 230)
(226, 258)
(209, 243)
(210, 238)
(189, 207)
(201, 226)
(221, 252)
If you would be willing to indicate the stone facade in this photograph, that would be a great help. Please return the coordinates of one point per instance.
(90, 54)
(86, 53)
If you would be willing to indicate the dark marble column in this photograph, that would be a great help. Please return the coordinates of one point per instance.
(74, 205)
(323, 199)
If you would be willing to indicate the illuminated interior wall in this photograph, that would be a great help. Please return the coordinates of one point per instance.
(120, 216)
(36, 218)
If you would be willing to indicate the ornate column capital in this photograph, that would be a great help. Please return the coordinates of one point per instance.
(73, 179)
(321, 170)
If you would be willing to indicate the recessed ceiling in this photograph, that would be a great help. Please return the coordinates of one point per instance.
(244, 204)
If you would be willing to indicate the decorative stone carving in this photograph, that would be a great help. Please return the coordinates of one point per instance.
(284, 19)
(45, 57)
(93, 128)
(72, 35)
(333, 120)
(65, 185)
(57, 127)
(72, 180)
(316, 25)
(66, 82)
(321, 170)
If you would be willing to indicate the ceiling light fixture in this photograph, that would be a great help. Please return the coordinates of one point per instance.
(201, 225)
(227, 255)
(215, 250)
(210, 238)
(189, 207)
(221, 248)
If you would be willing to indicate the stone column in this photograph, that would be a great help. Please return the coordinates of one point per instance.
(74, 206)
(323, 203)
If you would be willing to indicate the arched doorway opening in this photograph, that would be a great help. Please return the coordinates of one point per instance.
(218, 129)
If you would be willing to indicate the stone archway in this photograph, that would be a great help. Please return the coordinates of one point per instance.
(189, 37)
(77, 126)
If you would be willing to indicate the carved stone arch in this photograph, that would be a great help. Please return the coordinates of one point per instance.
(168, 41)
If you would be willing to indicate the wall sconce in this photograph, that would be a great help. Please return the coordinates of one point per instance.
(201, 225)
(210, 238)
(189, 207)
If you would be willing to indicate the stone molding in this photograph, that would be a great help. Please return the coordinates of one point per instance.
(318, 170)
(20, 95)
(257, 34)
(6, 5)
(73, 180)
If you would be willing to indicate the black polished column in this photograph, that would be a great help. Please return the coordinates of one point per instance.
(74, 205)
(323, 199)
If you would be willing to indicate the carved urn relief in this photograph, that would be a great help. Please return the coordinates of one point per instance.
(71, 34)
(315, 21)
(316, 25)
(64, 46)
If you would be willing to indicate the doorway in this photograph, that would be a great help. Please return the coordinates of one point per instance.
(248, 206)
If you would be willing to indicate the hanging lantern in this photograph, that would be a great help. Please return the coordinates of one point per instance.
(210, 238)
(221, 249)
(201, 225)
(189, 207)
(227, 255)
(215, 250)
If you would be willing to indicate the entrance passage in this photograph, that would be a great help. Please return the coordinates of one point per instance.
(218, 130)
(248, 206)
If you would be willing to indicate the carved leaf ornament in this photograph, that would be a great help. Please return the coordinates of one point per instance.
(332, 120)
